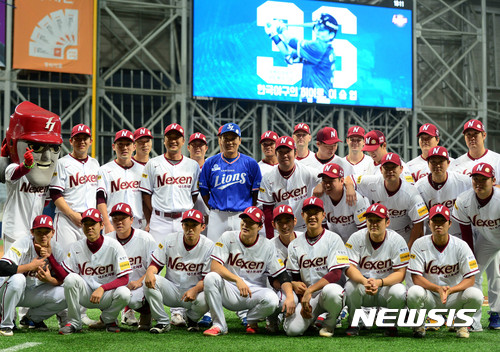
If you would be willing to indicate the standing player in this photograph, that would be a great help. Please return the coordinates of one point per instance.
(428, 138)
(197, 148)
(379, 258)
(443, 269)
(97, 272)
(229, 183)
(268, 147)
(187, 258)
(316, 262)
(143, 141)
(241, 263)
(302, 137)
(356, 158)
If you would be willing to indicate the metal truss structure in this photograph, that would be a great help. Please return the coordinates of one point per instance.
(144, 80)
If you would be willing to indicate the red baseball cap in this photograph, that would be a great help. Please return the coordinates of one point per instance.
(429, 129)
(356, 131)
(121, 208)
(125, 134)
(93, 214)
(473, 124)
(193, 214)
(328, 135)
(302, 127)
(285, 141)
(282, 209)
(378, 210)
(197, 136)
(373, 140)
(142, 132)
(483, 169)
(332, 170)
(174, 127)
(269, 135)
(439, 209)
(43, 221)
(80, 128)
(313, 202)
(253, 213)
(391, 158)
(220, 130)
(438, 151)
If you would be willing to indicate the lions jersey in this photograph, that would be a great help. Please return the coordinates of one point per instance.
(465, 163)
(251, 263)
(447, 267)
(392, 254)
(314, 258)
(184, 267)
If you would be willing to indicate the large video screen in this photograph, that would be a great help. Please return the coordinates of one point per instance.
(304, 51)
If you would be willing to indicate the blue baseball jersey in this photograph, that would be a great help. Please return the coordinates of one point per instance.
(230, 184)
(318, 61)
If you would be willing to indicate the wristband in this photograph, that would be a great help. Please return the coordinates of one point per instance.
(276, 39)
(30, 166)
(382, 282)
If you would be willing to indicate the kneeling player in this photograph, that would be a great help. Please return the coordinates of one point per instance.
(379, 258)
(187, 257)
(443, 269)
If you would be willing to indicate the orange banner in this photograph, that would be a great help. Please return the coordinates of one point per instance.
(53, 35)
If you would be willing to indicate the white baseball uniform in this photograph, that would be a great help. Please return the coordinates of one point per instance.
(88, 271)
(419, 168)
(374, 169)
(172, 187)
(265, 167)
(25, 290)
(465, 162)
(77, 180)
(313, 259)
(311, 157)
(253, 264)
(281, 249)
(316, 166)
(362, 167)
(184, 269)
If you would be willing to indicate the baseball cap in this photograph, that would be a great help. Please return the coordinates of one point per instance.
(373, 140)
(174, 127)
(391, 158)
(92, 214)
(439, 209)
(43, 221)
(253, 213)
(302, 127)
(327, 135)
(473, 124)
(269, 135)
(438, 151)
(378, 210)
(142, 132)
(230, 127)
(282, 209)
(484, 169)
(285, 141)
(332, 170)
(197, 136)
(125, 134)
(220, 129)
(80, 128)
(429, 129)
(121, 208)
(313, 202)
(356, 131)
(193, 214)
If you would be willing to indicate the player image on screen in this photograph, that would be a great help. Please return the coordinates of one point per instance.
(316, 55)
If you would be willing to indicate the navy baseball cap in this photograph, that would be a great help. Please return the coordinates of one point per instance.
(230, 127)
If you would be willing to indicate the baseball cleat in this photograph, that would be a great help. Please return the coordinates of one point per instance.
(431, 321)
(244, 321)
(192, 326)
(319, 322)
(463, 332)
(112, 327)
(26, 323)
(128, 318)
(68, 329)
(178, 320)
(494, 321)
(352, 331)
(144, 322)
(214, 331)
(87, 321)
(326, 332)
(160, 328)
(98, 325)
(205, 322)
(419, 332)
(6, 332)
(252, 329)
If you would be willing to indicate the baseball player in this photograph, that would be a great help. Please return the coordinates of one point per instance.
(169, 186)
(143, 140)
(378, 258)
(302, 137)
(186, 255)
(27, 280)
(241, 263)
(316, 261)
(138, 246)
(268, 146)
(341, 218)
(197, 148)
(290, 183)
(479, 207)
(355, 140)
(428, 138)
(443, 269)
(73, 187)
(316, 56)
(229, 183)
(97, 272)
(118, 182)
(33, 142)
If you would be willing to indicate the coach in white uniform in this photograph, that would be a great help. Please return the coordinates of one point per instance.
(302, 137)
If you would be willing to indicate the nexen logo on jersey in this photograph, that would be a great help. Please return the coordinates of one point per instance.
(344, 220)
(378, 265)
(314, 263)
(224, 181)
(250, 264)
(97, 271)
(176, 264)
(29, 188)
(485, 222)
(120, 185)
(180, 180)
(135, 262)
(285, 195)
(446, 270)
(77, 180)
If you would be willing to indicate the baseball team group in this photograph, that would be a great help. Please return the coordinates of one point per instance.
(299, 240)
